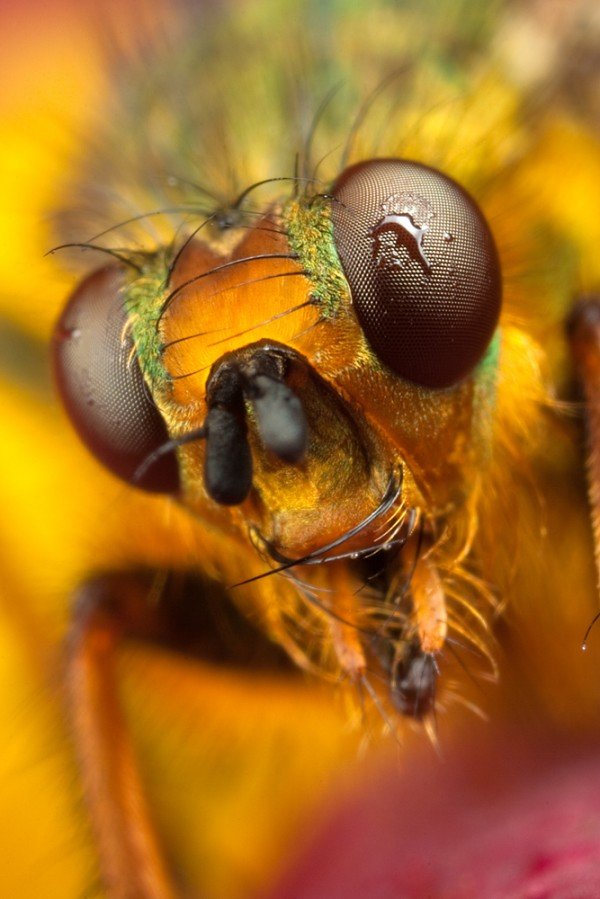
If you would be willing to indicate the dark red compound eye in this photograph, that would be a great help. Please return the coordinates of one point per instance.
(102, 386)
(422, 267)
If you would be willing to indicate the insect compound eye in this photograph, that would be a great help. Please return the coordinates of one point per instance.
(102, 386)
(422, 267)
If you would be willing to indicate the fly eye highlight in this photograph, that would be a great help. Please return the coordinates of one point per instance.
(422, 267)
(102, 386)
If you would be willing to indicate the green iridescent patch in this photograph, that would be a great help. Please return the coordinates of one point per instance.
(144, 297)
(310, 233)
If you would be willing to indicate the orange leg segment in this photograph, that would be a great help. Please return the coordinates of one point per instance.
(584, 334)
(109, 609)
(345, 623)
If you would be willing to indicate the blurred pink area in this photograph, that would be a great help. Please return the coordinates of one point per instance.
(498, 820)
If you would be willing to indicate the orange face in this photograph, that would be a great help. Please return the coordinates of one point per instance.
(326, 374)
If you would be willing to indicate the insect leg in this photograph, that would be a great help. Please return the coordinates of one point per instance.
(429, 602)
(344, 624)
(584, 335)
(108, 609)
